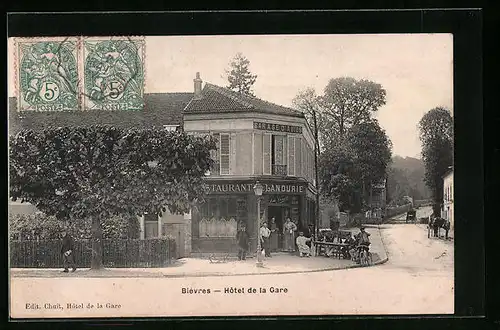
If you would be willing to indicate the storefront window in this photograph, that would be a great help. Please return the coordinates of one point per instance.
(217, 207)
(219, 217)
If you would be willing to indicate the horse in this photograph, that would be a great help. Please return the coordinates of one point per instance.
(434, 227)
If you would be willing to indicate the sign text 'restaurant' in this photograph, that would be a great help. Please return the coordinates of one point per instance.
(248, 188)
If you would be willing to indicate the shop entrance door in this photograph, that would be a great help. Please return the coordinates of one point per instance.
(279, 213)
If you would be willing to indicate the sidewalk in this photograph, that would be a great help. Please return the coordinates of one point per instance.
(280, 263)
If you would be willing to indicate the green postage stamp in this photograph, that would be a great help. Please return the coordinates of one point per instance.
(47, 74)
(80, 73)
(113, 73)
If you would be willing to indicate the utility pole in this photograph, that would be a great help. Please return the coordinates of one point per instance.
(316, 156)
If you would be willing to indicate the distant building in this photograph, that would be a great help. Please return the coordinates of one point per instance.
(408, 199)
(378, 198)
(447, 211)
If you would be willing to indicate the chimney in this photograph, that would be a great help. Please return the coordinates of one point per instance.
(197, 86)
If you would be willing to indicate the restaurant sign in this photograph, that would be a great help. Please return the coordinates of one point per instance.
(277, 127)
(268, 188)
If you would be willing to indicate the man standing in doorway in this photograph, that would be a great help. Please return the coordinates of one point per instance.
(67, 252)
(264, 237)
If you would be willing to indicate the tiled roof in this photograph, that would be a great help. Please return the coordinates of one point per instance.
(168, 106)
(216, 99)
(159, 109)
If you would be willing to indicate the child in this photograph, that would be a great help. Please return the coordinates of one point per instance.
(301, 241)
(243, 240)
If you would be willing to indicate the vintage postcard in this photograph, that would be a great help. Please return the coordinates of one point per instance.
(224, 175)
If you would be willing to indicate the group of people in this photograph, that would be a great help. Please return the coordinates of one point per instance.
(268, 235)
(355, 243)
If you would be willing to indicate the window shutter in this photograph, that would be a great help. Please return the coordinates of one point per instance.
(291, 155)
(298, 157)
(224, 153)
(285, 150)
(266, 146)
(215, 155)
(257, 144)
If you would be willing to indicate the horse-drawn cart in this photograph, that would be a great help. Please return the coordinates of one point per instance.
(411, 216)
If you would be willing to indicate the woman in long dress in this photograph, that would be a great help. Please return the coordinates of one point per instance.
(288, 232)
(274, 235)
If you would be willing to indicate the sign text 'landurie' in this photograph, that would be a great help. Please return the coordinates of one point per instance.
(277, 127)
(248, 188)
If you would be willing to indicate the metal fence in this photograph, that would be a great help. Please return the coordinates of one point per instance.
(119, 253)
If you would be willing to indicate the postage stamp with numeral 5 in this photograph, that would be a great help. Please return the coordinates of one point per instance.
(47, 74)
(113, 73)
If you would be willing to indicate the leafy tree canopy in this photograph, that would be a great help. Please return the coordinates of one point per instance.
(345, 102)
(95, 172)
(103, 170)
(239, 76)
(372, 150)
(436, 136)
(345, 168)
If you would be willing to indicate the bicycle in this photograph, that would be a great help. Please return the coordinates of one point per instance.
(365, 256)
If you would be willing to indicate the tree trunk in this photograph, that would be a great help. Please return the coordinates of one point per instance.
(96, 262)
(371, 195)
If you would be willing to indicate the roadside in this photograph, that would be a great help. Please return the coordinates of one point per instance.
(280, 263)
(409, 248)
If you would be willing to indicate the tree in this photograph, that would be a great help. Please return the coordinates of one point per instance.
(348, 168)
(372, 152)
(348, 102)
(307, 102)
(239, 76)
(94, 172)
(337, 175)
(436, 136)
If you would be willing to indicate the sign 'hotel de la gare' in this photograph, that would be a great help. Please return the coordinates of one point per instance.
(257, 140)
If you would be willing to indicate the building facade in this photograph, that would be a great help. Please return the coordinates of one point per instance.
(447, 211)
(258, 141)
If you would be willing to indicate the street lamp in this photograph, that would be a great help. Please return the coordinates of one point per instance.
(257, 188)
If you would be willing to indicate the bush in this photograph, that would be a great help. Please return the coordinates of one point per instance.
(41, 226)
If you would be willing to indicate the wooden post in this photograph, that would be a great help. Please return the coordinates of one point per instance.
(141, 225)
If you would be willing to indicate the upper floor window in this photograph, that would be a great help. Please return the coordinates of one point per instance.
(221, 156)
(279, 155)
(275, 154)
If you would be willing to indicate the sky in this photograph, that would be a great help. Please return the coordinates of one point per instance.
(415, 70)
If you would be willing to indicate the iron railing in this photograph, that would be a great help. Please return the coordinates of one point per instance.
(128, 253)
(280, 170)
